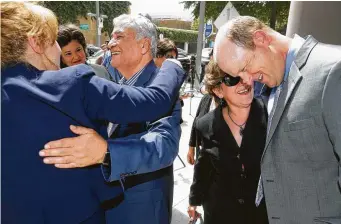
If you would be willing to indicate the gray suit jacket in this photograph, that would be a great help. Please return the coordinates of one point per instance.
(300, 165)
(101, 71)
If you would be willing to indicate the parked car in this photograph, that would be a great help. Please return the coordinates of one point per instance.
(92, 49)
(205, 58)
(92, 59)
(184, 59)
(205, 55)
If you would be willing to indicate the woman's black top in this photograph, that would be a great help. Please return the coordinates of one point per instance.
(226, 176)
(203, 108)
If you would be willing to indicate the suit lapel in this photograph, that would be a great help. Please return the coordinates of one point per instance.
(147, 74)
(142, 81)
(288, 88)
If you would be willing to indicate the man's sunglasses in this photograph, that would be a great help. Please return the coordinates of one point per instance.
(230, 80)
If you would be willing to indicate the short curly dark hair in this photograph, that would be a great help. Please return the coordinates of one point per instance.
(164, 46)
(212, 80)
(68, 33)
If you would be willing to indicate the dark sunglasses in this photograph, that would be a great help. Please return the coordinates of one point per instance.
(230, 80)
(169, 56)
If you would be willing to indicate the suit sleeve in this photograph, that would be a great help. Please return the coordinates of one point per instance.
(201, 178)
(332, 111)
(145, 152)
(120, 104)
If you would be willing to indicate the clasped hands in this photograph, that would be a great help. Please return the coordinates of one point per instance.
(87, 149)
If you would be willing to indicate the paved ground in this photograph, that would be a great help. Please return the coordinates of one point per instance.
(183, 175)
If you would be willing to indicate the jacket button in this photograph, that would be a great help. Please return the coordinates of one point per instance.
(241, 201)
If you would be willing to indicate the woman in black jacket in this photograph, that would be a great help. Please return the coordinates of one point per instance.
(205, 105)
(233, 137)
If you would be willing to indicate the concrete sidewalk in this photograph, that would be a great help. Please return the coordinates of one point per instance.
(183, 175)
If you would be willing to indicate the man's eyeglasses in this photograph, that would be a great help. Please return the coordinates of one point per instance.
(230, 80)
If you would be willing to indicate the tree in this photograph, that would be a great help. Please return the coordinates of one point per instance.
(271, 13)
(68, 11)
(195, 24)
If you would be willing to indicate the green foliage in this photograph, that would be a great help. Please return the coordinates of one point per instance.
(68, 11)
(178, 35)
(112, 9)
(195, 24)
(258, 9)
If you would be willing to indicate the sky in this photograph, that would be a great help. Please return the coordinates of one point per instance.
(160, 7)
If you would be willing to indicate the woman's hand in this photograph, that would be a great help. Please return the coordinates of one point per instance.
(190, 155)
(192, 212)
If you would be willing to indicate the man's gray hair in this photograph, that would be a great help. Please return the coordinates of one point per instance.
(143, 27)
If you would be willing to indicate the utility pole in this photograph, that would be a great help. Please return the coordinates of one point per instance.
(99, 23)
(200, 37)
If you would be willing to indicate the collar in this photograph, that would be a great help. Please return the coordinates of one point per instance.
(131, 81)
(296, 44)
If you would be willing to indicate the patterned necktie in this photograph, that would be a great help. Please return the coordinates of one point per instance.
(260, 192)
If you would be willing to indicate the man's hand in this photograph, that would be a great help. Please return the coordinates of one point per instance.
(87, 149)
(190, 155)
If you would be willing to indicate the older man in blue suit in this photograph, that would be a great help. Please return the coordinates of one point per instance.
(39, 105)
(141, 166)
(144, 168)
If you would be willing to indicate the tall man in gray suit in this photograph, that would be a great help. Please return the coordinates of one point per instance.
(300, 167)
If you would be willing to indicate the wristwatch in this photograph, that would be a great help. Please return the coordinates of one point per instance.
(107, 159)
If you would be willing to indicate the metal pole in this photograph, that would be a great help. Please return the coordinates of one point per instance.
(200, 36)
(319, 19)
(97, 25)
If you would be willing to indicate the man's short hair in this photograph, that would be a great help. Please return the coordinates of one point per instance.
(142, 26)
(240, 31)
(164, 46)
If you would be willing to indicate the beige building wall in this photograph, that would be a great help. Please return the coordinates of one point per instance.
(173, 23)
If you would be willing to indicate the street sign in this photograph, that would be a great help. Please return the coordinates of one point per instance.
(84, 26)
(208, 29)
(228, 13)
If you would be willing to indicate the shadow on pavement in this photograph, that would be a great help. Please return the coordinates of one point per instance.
(179, 217)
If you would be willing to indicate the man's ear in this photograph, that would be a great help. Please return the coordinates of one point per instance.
(146, 46)
(32, 41)
(261, 38)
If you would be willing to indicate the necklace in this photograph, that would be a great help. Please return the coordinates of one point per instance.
(241, 127)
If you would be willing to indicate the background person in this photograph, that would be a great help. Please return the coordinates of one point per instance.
(52, 100)
(300, 167)
(73, 45)
(233, 138)
(207, 104)
(165, 49)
